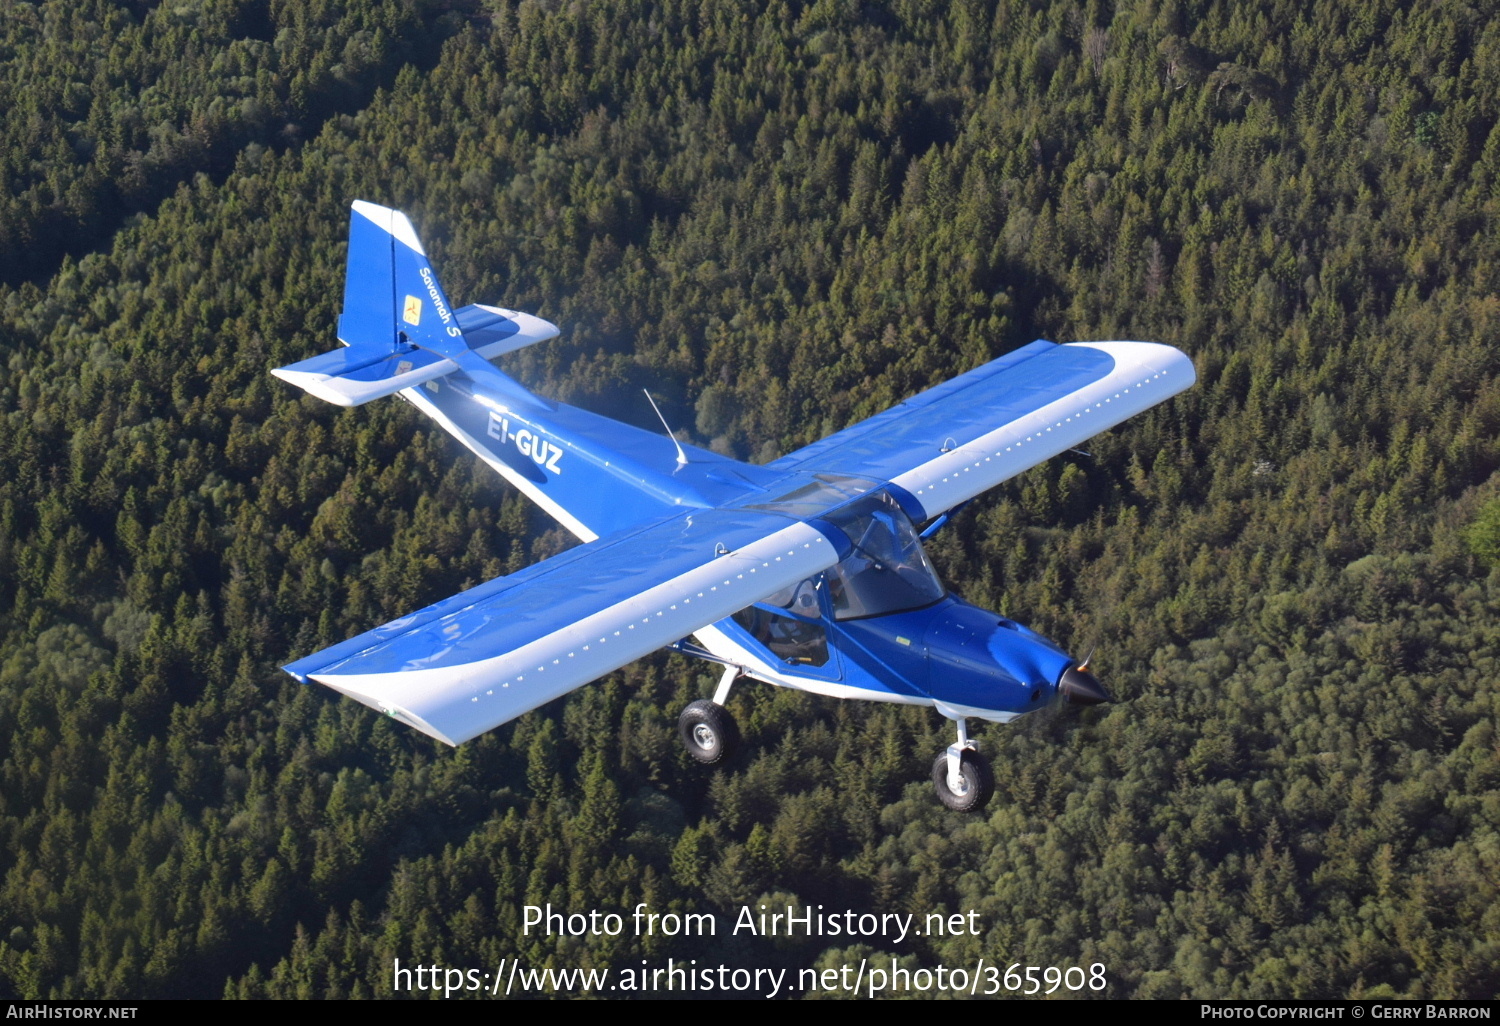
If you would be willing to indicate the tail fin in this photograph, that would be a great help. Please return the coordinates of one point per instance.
(399, 327)
(426, 319)
(369, 317)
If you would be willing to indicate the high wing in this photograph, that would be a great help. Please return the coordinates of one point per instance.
(950, 443)
(485, 656)
(676, 539)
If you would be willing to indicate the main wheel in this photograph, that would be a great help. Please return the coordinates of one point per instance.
(976, 782)
(708, 732)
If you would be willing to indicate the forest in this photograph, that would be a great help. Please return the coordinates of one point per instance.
(782, 217)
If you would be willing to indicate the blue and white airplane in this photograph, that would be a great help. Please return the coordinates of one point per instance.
(807, 572)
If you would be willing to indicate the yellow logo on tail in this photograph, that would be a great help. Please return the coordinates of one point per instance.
(413, 312)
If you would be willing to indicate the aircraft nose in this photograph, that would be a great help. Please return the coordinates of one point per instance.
(1081, 687)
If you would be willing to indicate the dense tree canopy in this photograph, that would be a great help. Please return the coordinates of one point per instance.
(783, 217)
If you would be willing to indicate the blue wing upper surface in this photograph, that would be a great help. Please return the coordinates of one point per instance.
(952, 442)
(961, 409)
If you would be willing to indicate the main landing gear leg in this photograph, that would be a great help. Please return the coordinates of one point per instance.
(721, 693)
(708, 732)
(961, 776)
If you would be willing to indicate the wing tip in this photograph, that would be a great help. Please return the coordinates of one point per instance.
(391, 709)
(1156, 356)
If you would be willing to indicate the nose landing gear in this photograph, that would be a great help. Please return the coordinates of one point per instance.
(961, 776)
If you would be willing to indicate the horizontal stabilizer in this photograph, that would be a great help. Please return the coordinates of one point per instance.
(359, 373)
(485, 656)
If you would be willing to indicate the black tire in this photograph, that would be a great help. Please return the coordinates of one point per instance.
(708, 732)
(978, 782)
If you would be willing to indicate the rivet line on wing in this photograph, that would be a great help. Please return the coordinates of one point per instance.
(1086, 409)
(522, 677)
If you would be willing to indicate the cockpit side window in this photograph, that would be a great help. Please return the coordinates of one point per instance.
(887, 572)
(795, 632)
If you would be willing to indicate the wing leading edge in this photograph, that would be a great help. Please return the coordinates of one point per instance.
(480, 658)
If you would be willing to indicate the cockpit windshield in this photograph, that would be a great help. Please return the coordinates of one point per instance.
(887, 572)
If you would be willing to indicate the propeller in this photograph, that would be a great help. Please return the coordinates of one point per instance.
(1081, 687)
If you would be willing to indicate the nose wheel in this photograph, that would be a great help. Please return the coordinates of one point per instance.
(961, 776)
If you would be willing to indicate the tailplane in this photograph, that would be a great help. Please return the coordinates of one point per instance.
(595, 476)
(398, 328)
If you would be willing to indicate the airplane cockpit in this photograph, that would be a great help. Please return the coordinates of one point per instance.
(885, 572)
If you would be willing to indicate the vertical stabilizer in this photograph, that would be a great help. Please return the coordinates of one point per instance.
(391, 294)
(369, 317)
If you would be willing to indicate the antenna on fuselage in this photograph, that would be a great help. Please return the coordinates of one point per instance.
(681, 456)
